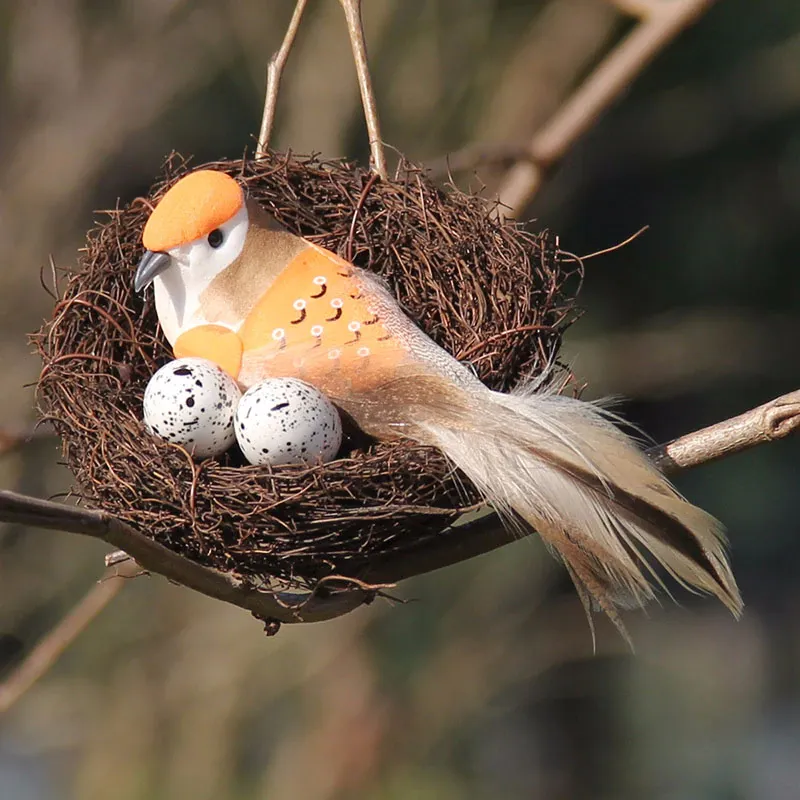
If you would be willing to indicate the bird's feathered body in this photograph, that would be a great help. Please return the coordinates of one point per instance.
(282, 306)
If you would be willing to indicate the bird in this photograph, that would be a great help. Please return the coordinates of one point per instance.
(232, 286)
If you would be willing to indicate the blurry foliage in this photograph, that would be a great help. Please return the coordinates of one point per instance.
(485, 685)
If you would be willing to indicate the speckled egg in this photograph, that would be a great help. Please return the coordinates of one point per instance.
(287, 421)
(191, 402)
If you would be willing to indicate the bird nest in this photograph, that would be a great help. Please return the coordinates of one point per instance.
(493, 295)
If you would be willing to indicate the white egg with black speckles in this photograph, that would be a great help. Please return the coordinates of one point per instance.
(287, 421)
(191, 402)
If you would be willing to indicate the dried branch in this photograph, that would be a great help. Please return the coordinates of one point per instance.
(661, 23)
(154, 557)
(355, 28)
(48, 650)
(274, 73)
(774, 420)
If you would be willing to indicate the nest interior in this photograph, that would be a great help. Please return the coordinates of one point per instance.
(490, 293)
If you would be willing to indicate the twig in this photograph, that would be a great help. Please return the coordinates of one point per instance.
(660, 25)
(154, 557)
(614, 247)
(48, 650)
(352, 12)
(774, 420)
(274, 73)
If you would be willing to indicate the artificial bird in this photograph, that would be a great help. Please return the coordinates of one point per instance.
(262, 302)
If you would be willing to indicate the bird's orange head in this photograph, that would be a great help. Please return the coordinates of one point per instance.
(199, 226)
(195, 206)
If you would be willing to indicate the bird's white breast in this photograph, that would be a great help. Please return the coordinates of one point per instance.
(178, 289)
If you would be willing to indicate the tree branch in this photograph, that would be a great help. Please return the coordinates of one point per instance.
(154, 557)
(774, 420)
(274, 73)
(463, 540)
(661, 22)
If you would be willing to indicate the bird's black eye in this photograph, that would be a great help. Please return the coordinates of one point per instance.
(215, 238)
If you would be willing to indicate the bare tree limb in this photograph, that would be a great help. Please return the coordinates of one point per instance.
(355, 28)
(660, 25)
(154, 557)
(774, 420)
(274, 73)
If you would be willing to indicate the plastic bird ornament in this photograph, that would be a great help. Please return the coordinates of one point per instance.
(264, 303)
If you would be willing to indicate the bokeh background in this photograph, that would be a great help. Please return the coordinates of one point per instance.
(485, 686)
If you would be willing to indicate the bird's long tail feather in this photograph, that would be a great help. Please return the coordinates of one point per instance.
(560, 466)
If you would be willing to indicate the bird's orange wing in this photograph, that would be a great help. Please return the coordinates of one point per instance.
(321, 323)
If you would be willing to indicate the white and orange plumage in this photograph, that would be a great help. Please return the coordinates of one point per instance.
(262, 303)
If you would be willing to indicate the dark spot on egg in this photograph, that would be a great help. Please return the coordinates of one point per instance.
(190, 401)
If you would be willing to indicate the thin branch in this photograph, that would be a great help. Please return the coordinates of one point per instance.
(274, 73)
(50, 648)
(774, 420)
(154, 557)
(355, 28)
(664, 21)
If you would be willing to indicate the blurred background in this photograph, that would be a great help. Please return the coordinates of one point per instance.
(485, 686)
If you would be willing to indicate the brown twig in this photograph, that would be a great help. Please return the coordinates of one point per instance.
(154, 557)
(48, 650)
(274, 73)
(774, 420)
(355, 28)
(661, 23)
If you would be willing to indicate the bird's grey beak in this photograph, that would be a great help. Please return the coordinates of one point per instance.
(152, 264)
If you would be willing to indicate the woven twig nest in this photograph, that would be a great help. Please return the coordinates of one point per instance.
(488, 292)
